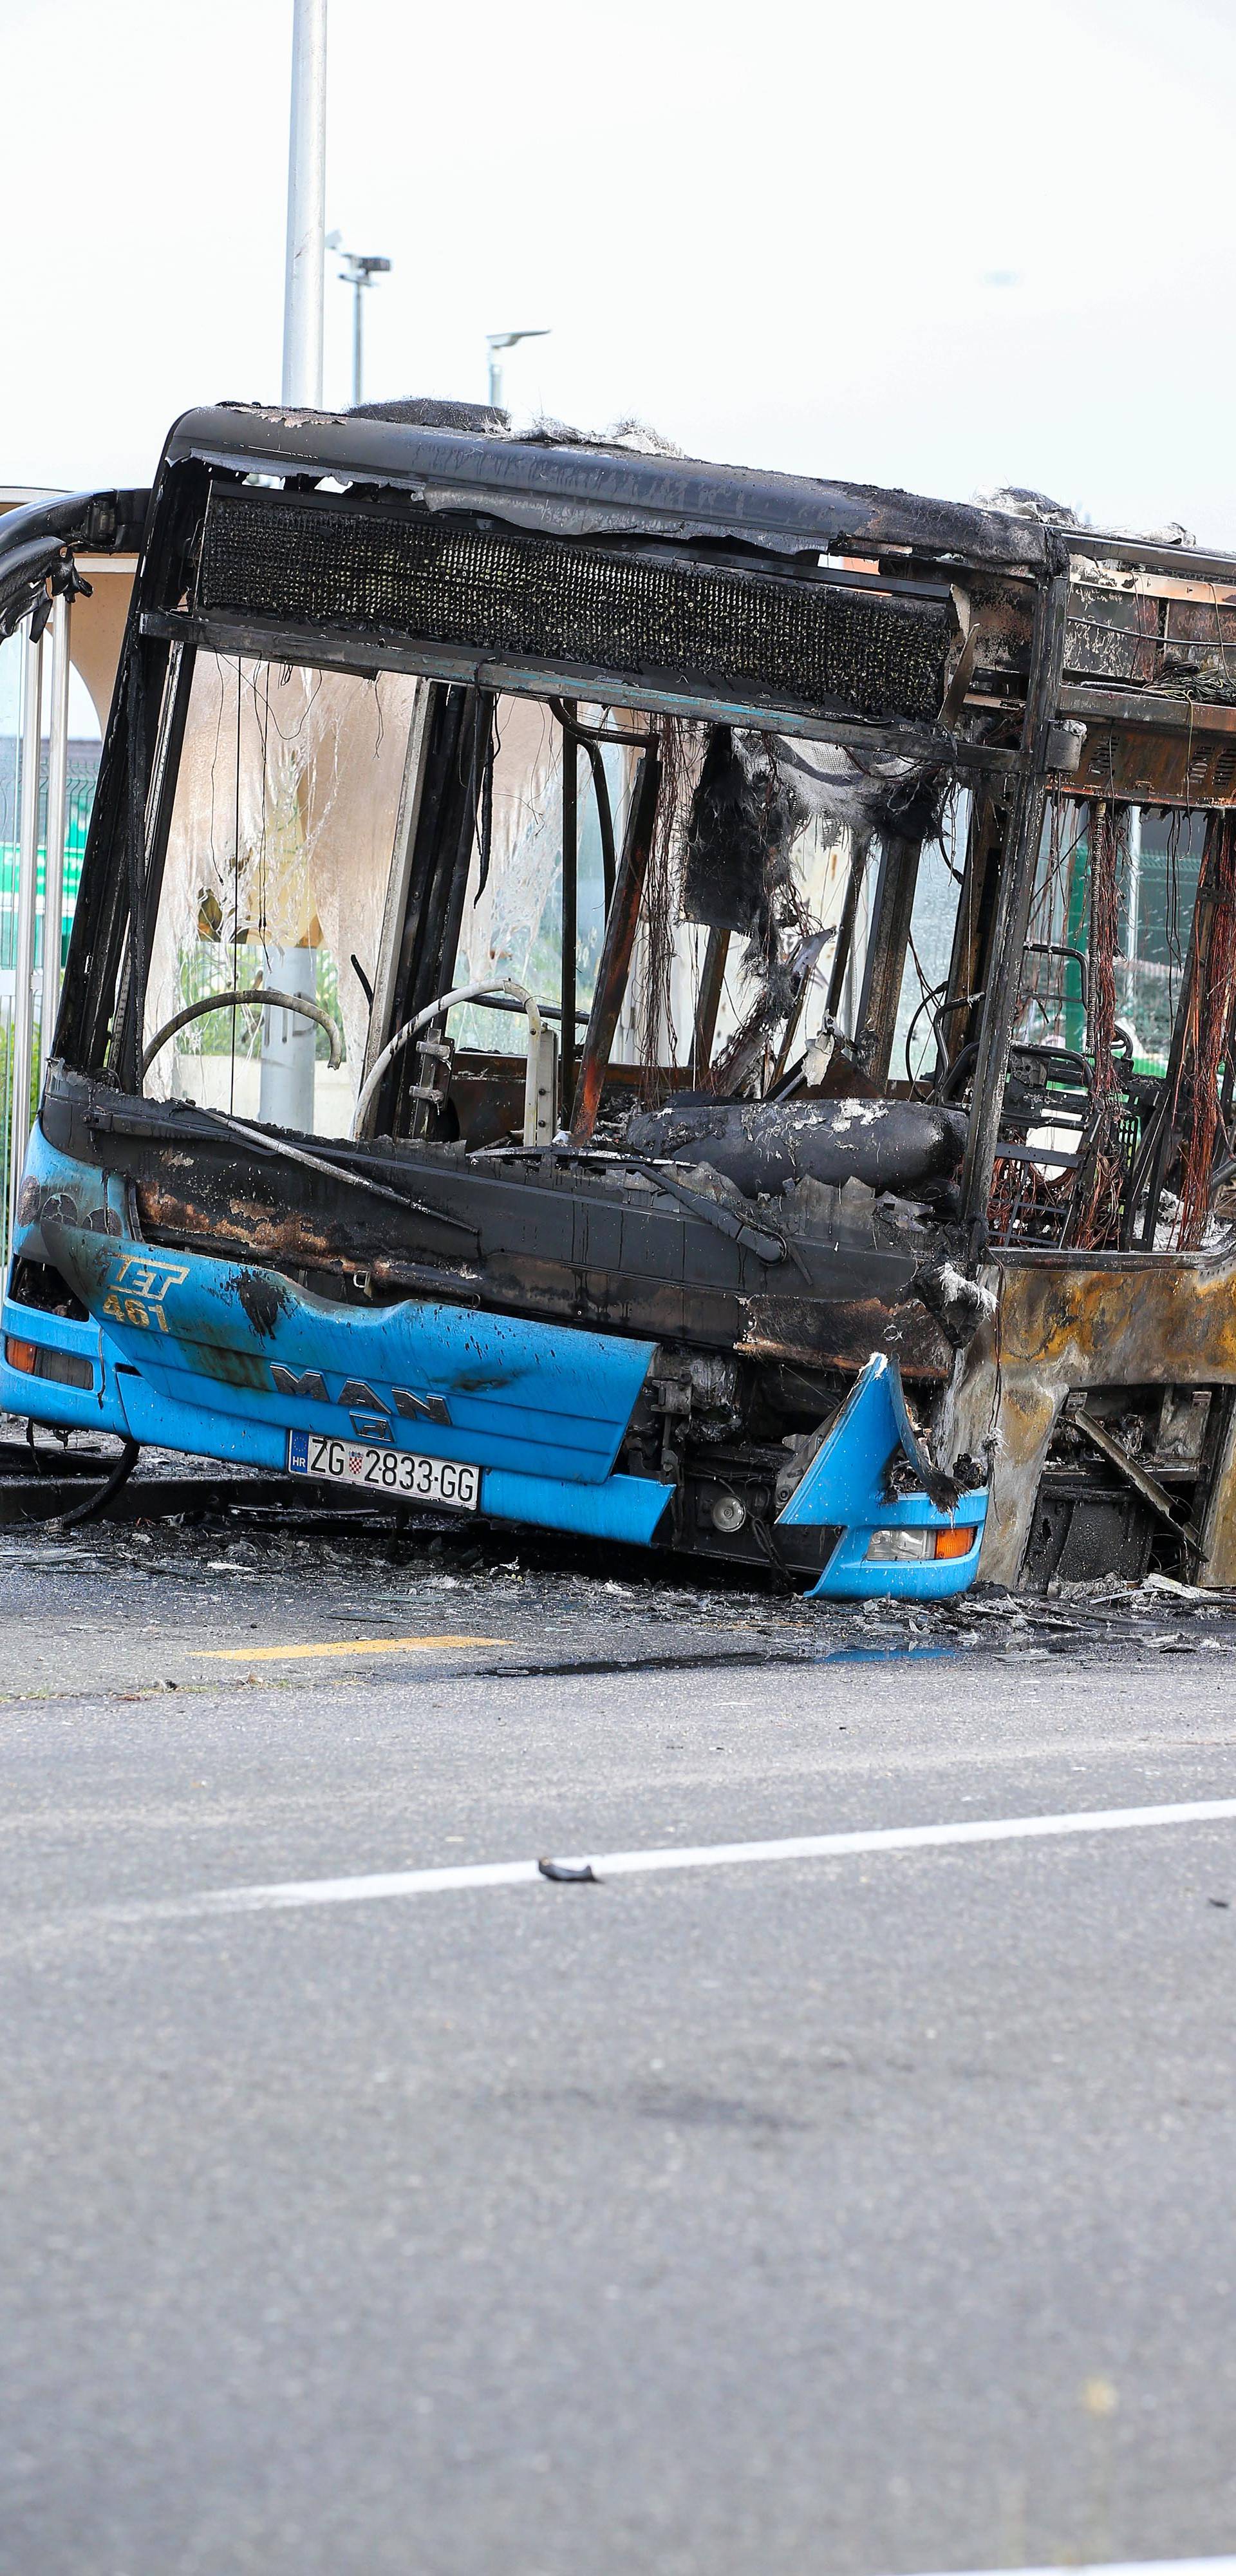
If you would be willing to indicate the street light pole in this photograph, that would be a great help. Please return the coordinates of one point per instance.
(286, 1095)
(359, 282)
(496, 342)
(357, 270)
(306, 246)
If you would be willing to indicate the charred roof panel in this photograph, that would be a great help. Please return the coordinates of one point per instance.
(604, 490)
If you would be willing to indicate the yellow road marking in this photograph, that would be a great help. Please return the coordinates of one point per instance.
(342, 1646)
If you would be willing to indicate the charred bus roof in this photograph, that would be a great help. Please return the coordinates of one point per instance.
(565, 485)
(700, 591)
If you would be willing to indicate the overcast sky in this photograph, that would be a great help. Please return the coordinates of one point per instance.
(941, 243)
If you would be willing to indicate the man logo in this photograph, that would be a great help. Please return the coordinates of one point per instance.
(310, 1388)
(419, 1408)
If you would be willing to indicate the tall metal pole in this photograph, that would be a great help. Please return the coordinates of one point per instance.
(286, 1095)
(495, 343)
(358, 271)
(306, 244)
(21, 1051)
(57, 815)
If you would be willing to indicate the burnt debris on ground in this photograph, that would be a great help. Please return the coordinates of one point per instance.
(548, 1606)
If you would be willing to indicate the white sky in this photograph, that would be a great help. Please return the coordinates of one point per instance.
(771, 229)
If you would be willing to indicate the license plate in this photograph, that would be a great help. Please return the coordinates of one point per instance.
(384, 1471)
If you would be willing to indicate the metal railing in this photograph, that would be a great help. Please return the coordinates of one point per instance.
(46, 794)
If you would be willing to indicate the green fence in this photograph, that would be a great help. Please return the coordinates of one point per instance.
(83, 771)
(82, 776)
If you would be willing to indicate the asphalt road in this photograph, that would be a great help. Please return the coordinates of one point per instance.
(850, 2214)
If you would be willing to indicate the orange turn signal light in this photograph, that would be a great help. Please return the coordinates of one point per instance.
(955, 1542)
(21, 1355)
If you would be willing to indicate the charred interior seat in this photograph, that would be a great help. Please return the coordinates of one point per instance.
(764, 1146)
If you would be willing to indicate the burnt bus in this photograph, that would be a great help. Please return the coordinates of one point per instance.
(646, 999)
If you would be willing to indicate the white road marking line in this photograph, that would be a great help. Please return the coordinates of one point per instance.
(1125, 2567)
(522, 1873)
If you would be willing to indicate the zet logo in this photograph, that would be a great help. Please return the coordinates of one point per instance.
(139, 1287)
(141, 1277)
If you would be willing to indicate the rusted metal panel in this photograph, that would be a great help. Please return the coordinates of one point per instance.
(1145, 639)
(1204, 622)
(1003, 619)
(1157, 711)
(1217, 1533)
(1113, 635)
(632, 1293)
(1162, 1319)
(1165, 1316)
(1158, 768)
(815, 1334)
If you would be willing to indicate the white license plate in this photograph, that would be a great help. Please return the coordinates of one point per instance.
(384, 1471)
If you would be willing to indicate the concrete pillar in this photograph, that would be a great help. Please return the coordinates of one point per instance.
(289, 1042)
